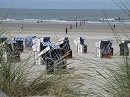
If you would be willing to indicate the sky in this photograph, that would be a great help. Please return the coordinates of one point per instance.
(61, 4)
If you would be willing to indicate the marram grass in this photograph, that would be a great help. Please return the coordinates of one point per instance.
(17, 79)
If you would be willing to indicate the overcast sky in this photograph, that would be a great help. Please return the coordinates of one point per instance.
(61, 4)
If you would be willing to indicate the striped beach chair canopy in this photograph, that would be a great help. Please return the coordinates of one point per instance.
(37, 40)
(106, 46)
(43, 45)
(19, 45)
(18, 39)
(54, 50)
(47, 44)
(9, 42)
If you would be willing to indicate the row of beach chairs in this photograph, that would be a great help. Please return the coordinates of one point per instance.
(59, 53)
(103, 47)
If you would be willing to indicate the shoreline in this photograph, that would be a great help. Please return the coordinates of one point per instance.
(73, 22)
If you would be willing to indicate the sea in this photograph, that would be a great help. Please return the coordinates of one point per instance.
(64, 16)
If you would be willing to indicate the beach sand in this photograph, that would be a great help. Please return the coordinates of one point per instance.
(92, 33)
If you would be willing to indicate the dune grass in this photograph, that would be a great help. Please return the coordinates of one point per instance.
(114, 81)
(17, 79)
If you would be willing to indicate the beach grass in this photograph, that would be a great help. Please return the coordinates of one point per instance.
(115, 78)
(18, 79)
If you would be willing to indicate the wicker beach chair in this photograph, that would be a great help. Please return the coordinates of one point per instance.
(19, 45)
(52, 56)
(124, 48)
(81, 47)
(104, 49)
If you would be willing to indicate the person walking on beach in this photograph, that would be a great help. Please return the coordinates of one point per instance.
(66, 30)
(21, 26)
(114, 26)
(80, 23)
(76, 24)
(70, 26)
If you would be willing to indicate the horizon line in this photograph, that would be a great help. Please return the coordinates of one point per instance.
(66, 8)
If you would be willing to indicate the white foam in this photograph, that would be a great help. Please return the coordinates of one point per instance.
(55, 21)
(111, 19)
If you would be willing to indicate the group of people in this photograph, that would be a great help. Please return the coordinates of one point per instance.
(66, 29)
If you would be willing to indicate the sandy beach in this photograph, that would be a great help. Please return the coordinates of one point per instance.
(92, 33)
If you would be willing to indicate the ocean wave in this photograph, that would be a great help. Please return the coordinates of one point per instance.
(111, 19)
(95, 22)
(36, 21)
(55, 21)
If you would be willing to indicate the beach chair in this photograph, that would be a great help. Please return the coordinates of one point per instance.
(11, 45)
(81, 47)
(43, 45)
(50, 50)
(37, 43)
(12, 49)
(19, 45)
(79, 40)
(104, 49)
(54, 54)
(39, 50)
(29, 42)
(124, 47)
